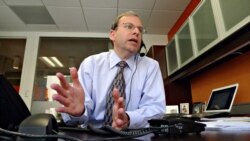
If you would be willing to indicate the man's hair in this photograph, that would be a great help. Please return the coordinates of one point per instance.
(117, 19)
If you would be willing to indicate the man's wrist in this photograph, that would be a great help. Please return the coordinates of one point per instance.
(80, 113)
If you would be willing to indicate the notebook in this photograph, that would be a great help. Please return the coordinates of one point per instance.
(220, 102)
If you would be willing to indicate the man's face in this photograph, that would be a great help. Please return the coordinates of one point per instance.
(128, 35)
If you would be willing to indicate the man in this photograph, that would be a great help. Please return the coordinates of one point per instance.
(84, 102)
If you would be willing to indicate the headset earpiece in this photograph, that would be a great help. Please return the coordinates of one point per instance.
(113, 26)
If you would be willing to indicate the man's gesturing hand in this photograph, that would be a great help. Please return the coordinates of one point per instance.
(120, 118)
(70, 96)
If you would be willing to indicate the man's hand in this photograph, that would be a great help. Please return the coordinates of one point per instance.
(120, 118)
(71, 97)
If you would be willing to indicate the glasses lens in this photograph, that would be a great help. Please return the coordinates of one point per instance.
(130, 26)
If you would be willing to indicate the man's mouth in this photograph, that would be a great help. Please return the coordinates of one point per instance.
(133, 40)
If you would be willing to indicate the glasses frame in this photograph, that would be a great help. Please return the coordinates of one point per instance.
(131, 27)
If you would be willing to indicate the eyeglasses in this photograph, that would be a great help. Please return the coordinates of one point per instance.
(131, 27)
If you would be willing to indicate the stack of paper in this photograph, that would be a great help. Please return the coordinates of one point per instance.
(231, 123)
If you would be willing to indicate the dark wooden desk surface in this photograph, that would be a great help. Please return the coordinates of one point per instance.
(204, 136)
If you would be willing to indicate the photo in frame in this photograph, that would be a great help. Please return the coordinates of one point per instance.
(184, 108)
(198, 107)
(172, 109)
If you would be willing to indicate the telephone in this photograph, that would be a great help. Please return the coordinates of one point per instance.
(177, 125)
(167, 126)
(46, 124)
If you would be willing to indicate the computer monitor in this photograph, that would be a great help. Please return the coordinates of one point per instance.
(12, 107)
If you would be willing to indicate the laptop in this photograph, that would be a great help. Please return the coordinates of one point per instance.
(12, 107)
(220, 102)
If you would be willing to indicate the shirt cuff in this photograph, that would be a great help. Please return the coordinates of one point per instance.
(73, 120)
(136, 120)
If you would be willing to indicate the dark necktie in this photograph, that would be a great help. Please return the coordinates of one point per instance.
(118, 83)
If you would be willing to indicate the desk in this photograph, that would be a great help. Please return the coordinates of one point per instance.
(204, 136)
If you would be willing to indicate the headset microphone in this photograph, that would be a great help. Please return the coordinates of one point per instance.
(143, 46)
(142, 54)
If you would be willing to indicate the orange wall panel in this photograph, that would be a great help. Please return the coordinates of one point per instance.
(186, 13)
(236, 70)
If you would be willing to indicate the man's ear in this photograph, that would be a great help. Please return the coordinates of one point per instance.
(112, 35)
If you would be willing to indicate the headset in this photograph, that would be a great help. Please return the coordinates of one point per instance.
(143, 46)
(142, 54)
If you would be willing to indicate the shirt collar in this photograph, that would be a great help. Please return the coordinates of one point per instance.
(115, 59)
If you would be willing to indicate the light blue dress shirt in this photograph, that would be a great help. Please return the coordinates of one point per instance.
(145, 96)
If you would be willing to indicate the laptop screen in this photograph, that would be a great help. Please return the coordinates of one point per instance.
(12, 107)
(221, 99)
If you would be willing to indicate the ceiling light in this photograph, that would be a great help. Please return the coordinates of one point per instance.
(16, 62)
(51, 61)
(56, 61)
(47, 61)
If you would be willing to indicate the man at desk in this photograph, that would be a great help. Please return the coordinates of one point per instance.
(85, 101)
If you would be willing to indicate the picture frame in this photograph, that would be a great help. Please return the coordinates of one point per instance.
(198, 107)
(172, 109)
(184, 108)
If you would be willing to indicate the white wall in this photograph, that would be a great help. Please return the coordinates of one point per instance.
(31, 51)
(150, 40)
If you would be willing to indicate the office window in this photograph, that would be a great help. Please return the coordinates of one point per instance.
(11, 60)
(69, 52)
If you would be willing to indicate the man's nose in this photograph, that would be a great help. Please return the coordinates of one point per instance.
(137, 30)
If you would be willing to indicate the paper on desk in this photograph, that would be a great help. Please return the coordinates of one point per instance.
(229, 119)
(228, 124)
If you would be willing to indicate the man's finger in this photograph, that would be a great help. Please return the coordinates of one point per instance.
(64, 83)
(121, 113)
(119, 123)
(74, 76)
(60, 109)
(120, 102)
(62, 100)
(116, 95)
(59, 89)
(63, 109)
